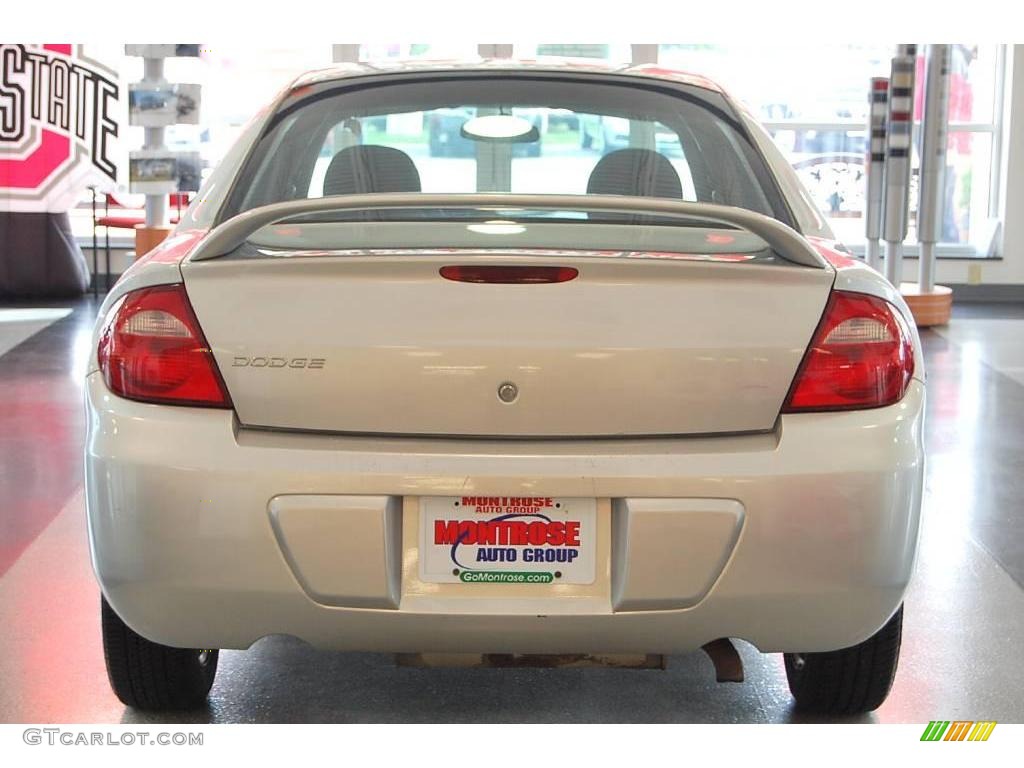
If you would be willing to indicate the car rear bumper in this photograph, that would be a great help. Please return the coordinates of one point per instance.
(207, 534)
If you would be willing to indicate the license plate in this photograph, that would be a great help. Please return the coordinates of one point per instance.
(507, 540)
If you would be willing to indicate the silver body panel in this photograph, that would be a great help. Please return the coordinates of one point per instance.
(184, 544)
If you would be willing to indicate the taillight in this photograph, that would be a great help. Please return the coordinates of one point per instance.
(861, 357)
(152, 349)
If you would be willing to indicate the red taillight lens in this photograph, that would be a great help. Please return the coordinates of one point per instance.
(152, 349)
(861, 357)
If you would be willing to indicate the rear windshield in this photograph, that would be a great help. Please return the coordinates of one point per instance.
(505, 134)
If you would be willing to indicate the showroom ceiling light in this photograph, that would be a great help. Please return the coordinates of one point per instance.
(500, 128)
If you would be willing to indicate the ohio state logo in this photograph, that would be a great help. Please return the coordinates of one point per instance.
(57, 123)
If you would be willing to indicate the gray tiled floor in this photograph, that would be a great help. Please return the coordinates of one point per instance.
(964, 622)
(998, 342)
(17, 324)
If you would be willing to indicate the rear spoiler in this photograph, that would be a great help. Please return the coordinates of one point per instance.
(785, 241)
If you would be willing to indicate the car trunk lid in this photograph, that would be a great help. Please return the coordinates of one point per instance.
(379, 341)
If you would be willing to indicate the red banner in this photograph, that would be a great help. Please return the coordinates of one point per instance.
(58, 126)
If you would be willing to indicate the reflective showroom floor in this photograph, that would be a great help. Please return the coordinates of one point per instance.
(963, 630)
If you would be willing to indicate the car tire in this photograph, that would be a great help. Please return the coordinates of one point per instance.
(849, 681)
(147, 675)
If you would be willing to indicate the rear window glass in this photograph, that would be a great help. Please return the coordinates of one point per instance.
(505, 134)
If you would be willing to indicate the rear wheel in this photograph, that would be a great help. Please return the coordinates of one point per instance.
(147, 675)
(848, 681)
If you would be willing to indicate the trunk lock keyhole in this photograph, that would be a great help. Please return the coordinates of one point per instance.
(508, 392)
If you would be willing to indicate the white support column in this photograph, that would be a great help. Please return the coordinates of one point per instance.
(641, 134)
(156, 205)
(494, 50)
(931, 195)
(644, 53)
(345, 53)
(493, 161)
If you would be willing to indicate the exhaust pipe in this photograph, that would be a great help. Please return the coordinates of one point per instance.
(727, 661)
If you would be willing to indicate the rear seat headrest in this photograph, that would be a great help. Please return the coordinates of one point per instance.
(367, 168)
(636, 172)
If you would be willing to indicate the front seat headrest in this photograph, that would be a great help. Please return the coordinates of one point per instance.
(368, 168)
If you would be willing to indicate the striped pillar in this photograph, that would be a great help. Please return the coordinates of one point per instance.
(877, 116)
(898, 144)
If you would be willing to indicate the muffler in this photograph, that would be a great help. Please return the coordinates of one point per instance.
(534, 660)
(722, 653)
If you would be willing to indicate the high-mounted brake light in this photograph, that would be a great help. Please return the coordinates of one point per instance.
(508, 274)
(152, 349)
(861, 356)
